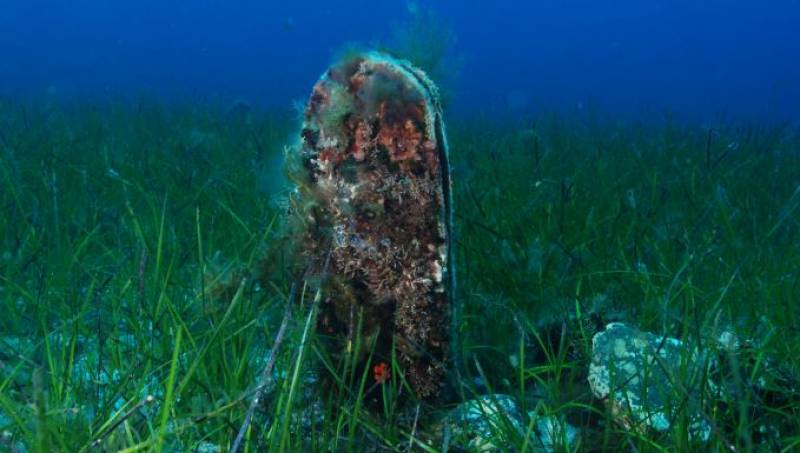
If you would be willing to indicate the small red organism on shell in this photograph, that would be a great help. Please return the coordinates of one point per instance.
(381, 372)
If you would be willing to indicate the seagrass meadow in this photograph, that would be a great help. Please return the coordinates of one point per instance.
(143, 282)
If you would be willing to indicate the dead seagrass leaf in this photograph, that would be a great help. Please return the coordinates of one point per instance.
(374, 190)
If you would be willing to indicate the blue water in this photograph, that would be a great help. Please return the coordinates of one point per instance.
(707, 59)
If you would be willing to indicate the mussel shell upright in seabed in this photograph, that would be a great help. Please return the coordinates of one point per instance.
(374, 201)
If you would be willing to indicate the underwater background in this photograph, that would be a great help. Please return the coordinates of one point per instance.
(626, 227)
(706, 59)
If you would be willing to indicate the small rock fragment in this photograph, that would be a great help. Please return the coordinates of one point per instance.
(487, 423)
(554, 433)
(636, 373)
(207, 447)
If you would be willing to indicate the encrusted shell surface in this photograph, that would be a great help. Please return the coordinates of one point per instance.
(374, 161)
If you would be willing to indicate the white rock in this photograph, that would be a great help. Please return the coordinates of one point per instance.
(634, 372)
